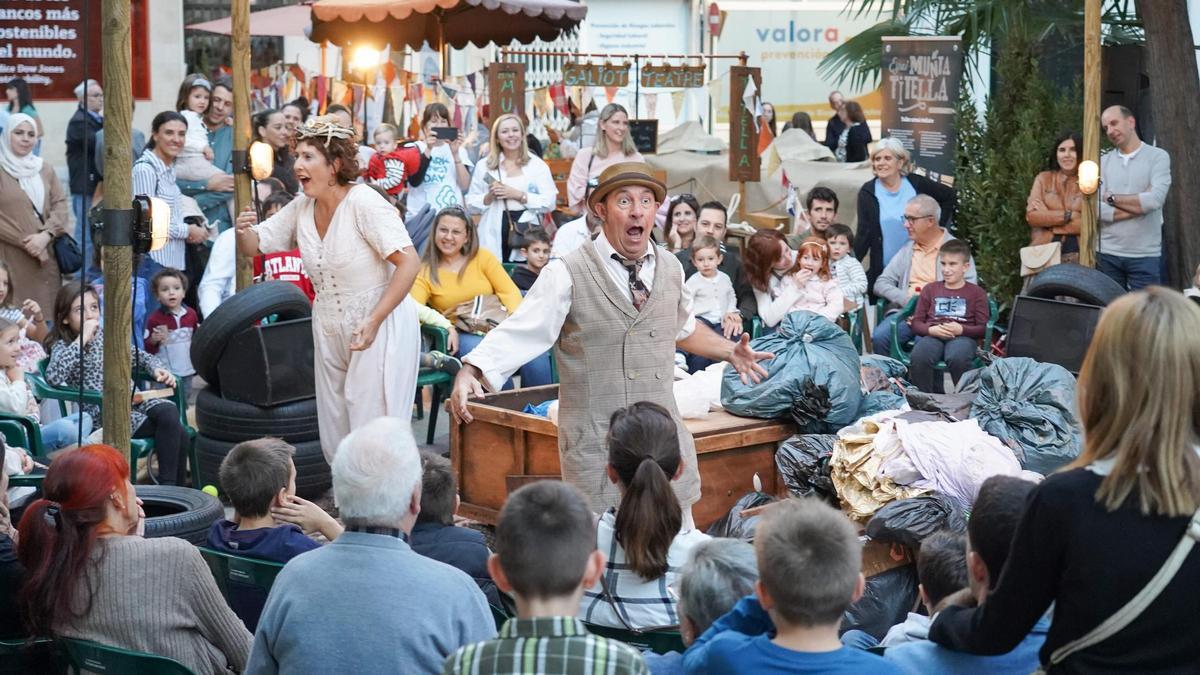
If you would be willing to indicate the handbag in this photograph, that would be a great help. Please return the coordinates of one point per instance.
(478, 315)
(1134, 608)
(1034, 259)
(67, 254)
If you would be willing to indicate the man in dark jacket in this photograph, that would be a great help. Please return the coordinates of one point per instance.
(81, 151)
(836, 125)
(711, 222)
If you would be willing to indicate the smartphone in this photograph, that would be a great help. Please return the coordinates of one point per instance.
(489, 179)
(446, 133)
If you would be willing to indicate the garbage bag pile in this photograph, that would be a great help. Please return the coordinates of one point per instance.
(737, 526)
(885, 602)
(803, 465)
(814, 377)
(910, 521)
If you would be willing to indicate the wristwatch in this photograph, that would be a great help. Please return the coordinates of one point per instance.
(1112, 200)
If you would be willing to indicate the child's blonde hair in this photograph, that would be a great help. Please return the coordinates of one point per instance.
(818, 248)
(385, 128)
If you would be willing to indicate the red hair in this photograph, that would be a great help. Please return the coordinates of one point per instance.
(59, 531)
(762, 251)
(818, 248)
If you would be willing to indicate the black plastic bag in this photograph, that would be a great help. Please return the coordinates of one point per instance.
(886, 601)
(803, 465)
(810, 409)
(951, 407)
(736, 526)
(910, 521)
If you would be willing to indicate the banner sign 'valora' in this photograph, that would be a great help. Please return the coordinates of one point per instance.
(673, 76)
(595, 75)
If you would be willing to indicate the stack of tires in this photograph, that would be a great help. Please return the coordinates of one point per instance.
(223, 423)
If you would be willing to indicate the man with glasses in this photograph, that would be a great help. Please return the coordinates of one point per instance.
(913, 266)
(81, 153)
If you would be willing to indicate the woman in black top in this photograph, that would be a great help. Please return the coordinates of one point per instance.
(853, 141)
(270, 127)
(1093, 535)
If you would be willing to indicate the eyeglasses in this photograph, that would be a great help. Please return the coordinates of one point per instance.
(912, 220)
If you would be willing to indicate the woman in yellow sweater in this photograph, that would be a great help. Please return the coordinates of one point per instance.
(456, 270)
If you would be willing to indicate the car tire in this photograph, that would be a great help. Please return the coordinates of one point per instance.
(173, 511)
(237, 313)
(1085, 284)
(225, 420)
(312, 473)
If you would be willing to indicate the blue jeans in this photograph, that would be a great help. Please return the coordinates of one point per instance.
(958, 353)
(533, 374)
(881, 338)
(66, 431)
(80, 206)
(859, 639)
(1131, 273)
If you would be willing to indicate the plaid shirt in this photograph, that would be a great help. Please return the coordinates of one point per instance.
(553, 645)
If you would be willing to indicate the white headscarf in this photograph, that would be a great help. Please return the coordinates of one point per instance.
(28, 169)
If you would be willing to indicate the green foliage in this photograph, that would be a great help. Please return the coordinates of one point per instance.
(998, 158)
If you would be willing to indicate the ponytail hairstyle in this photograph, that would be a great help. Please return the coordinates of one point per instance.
(817, 248)
(59, 532)
(643, 450)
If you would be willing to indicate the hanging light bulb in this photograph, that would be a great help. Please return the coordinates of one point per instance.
(262, 160)
(160, 223)
(1089, 177)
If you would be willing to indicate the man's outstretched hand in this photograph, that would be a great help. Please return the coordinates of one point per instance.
(466, 385)
(745, 361)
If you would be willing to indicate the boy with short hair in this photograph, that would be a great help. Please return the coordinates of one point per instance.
(941, 571)
(169, 328)
(435, 536)
(536, 249)
(809, 561)
(848, 271)
(394, 163)
(949, 320)
(546, 557)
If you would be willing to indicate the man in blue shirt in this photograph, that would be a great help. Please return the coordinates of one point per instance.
(214, 194)
(994, 518)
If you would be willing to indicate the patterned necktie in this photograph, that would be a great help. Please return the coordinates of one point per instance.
(636, 288)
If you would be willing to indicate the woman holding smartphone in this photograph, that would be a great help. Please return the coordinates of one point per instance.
(449, 171)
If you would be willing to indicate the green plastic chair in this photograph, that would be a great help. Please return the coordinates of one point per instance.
(138, 447)
(499, 615)
(903, 352)
(82, 655)
(439, 340)
(510, 267)
(657, 641)
(22, 432)
(226, 567)
(24, 656)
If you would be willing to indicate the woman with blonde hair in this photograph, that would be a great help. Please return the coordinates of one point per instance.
(1106, 541)
(881, 201)
(512, 190)
(614, 144)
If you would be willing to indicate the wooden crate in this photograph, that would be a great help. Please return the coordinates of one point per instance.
(505, 448)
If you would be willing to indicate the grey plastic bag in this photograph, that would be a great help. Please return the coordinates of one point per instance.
(1031, 407)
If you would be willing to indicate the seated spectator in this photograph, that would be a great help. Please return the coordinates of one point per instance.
(941, 571)
(949, 320)
(820, 211)
(809, 561)
(1093, 534)
(769, 260)
(711, 222)
(82, 547)
(12, 573)
(574, 234)
(679, 224)
(399, 612)
(713, 298)
(456, 270)
(718, 573)
(644, 539)
(435, 536)
(912, 268)
(16, 397)
(994, 518)
(819, 291)
(851, 277)
(536, 252)
(545, 557)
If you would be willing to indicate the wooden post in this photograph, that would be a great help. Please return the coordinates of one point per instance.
(1091, 127)
(240, 60)
(118, 188)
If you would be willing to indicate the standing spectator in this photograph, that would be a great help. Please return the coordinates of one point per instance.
(853, 141)
(512, 189)
(216, 194)
(154, 175)
(21, 101)
(399, 612)
(270, 127)
(881, 202)
(1136, 178)
(295, 114)
(680, 226)
(613, 144)
(711, 222)
(769, 113)
(949, 320)
(81, 148)
(803, 122)
(169, 328)
(1055, 205)
(837, 123)
(820, 211)
(449, 167)
(33, 212)
(1108, 528)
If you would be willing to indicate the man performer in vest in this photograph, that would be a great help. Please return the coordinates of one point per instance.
(614, 310)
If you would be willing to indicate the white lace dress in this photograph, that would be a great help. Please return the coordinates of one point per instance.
(349, 270)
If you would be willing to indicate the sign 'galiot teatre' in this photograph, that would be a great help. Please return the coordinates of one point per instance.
(595, 75)
(673, 76)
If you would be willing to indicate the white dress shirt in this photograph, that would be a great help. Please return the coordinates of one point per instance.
(569, 237)
(220, 275)
(536, 324)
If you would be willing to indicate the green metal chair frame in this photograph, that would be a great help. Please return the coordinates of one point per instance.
(903, 353)
(439, 340)
(657, 641)
(22, 656)
(226, 567)
(138, 447)
(22, 432)
(510, 267)
(82, 655)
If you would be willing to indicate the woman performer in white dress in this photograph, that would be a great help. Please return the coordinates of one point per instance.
(362, 265)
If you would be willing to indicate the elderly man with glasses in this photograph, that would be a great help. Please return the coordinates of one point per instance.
(914, 266)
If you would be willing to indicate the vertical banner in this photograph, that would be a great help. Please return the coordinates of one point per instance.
(744, 86)
(920, 80)
(506, 90)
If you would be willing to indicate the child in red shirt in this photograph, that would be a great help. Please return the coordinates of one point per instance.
(169, 328)
(393, 164)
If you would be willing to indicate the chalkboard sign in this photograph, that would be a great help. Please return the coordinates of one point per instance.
(645, 135)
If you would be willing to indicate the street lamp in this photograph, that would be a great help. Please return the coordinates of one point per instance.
(365, 60)
(262, 162)
(1089, 177)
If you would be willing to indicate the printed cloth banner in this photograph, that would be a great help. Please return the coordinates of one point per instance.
(920, 78)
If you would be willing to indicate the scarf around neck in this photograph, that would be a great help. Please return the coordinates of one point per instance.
(28, 169)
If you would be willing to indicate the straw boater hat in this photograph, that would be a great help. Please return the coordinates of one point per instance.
(623, 174)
